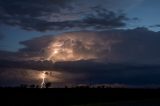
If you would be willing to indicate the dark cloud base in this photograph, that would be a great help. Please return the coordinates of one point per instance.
(34, 15)
(92, 72)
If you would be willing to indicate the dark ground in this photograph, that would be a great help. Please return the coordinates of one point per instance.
(80, 97)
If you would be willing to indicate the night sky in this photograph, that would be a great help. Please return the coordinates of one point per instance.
(80, 42)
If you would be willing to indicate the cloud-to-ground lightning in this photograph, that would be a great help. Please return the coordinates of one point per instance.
(74, 47)
(43, 76)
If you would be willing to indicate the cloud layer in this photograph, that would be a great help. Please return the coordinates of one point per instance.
(80, 46)
(80, 72)
(113, 56)
(139, 45)
(43, 15)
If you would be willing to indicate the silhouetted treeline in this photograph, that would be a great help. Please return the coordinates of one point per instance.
(49, 85)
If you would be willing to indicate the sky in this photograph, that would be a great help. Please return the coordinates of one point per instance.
(80, 42)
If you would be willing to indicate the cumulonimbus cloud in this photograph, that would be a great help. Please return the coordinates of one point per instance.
(139, 45)
(80, 46)
(123, 56)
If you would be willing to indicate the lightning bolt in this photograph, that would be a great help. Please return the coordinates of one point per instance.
(43, 76)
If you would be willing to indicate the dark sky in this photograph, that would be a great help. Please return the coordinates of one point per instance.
(80, 41)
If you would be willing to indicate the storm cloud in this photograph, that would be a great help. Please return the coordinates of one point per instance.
(86, 72)
(138, 45)
(123, 56)
(44, 15)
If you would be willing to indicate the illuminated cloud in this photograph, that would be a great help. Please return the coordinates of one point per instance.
(80, 46)
(35, 48)
(100, 57)
(80, 72)
(138, 45)
(18, 76)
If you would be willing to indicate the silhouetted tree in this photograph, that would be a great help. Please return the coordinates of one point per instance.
(32, 86)
(23, 86)
(37, 86)
(48, 84)
(66, 86)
